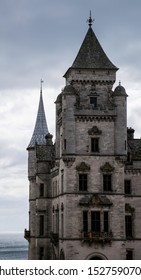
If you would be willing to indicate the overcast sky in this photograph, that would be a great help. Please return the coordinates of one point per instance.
(40, 39)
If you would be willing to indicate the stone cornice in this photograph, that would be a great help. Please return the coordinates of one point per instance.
(91, 118)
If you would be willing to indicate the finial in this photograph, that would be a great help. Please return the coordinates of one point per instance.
(41, 85)
(119, 83)
(90, 20)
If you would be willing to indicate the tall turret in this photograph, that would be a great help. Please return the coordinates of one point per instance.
(120, 101)
(40, 158)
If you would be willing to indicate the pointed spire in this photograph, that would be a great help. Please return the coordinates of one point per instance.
(41, 129)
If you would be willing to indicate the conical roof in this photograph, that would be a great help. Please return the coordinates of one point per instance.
(92, 55)
(41, 129)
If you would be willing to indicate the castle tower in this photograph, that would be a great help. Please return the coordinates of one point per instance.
(90, 149)
(85, 195)
(40, 152)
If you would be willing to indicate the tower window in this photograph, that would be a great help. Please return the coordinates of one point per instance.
(94, 145)
(129, 254)
(85, 221)
(41, 190)
(93, 101)
(128, 226)
(65, 144)
(41, 225)
(127, 186)
(95, 221)
(83, 182)
(107, 182)
(41, 253)
(106, 221)
(62, 182)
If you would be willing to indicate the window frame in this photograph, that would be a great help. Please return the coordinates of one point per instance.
(83, 182)
(129, 254)
(127, 188)
(93, 101)
(41, 225)
(128, 226)
(95, 221)
(107, 182)
(41, 190)
(94, 144)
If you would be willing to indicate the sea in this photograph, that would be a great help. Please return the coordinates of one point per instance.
(13, 246)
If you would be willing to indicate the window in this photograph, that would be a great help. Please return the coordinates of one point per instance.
(95, 221)
(94, 145)
(41, 253)
(62, 181)
(128, 226)
(41, 225)
(107, 182)
(83, 182)
(129, 254)
(93, 101)
(62, 225)
(65, 144)
(85, 221)
(41, 190)
(106, 221)
(127, 186)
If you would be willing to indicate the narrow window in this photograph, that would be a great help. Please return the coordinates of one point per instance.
(94, 145)
(41, 225)
(57, 220)
(41, 253)
(129, 254)
(93, 101)
(128, 226)
(107, 182)
(95, 221)
(65, 144)
(62, 182)
(125, 145)
(41, 190)
(62, 224)
(85, 221)
(106, 221)
(127, 186)
(83, 182)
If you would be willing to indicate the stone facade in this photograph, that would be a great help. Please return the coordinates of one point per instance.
(85, 195)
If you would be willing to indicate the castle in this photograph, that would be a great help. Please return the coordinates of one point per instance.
(85, 190)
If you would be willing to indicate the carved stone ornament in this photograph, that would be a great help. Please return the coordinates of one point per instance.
(107, 168)
(94, 131)
(95, 201)
(83, 167)
(128, 208)
(68, 161)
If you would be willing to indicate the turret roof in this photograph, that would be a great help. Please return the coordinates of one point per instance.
(41, 129)
(91, 54)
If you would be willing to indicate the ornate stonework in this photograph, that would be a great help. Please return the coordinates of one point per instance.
(107, 168)
(94, 131)
(83, 167)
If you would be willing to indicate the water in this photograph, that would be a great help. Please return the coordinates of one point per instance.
(13, 246)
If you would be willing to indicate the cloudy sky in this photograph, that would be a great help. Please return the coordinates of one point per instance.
(40, 39)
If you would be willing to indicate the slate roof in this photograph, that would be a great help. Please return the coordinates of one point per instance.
(41, 129)
(92, 55)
